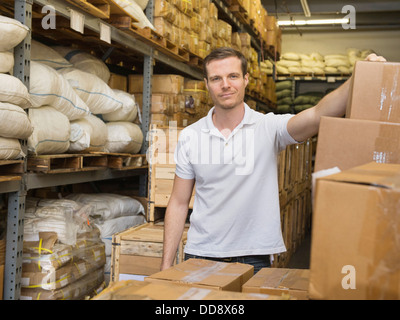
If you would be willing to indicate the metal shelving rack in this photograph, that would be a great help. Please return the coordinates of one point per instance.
(17, 189)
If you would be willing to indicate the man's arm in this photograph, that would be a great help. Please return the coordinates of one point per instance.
(175, 217)
(305, 124)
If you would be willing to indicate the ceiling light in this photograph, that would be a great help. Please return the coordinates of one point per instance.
(312, 22)
(306, 9)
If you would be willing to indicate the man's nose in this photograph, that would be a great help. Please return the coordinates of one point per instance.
(225, 83)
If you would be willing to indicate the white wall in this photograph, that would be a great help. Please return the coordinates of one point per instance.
(385, 43)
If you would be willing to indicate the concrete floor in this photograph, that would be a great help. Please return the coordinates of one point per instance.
(301, 258)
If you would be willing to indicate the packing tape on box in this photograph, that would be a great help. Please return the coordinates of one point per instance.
(194, 294)
(383, 272)
(206, 271)
(390, 93)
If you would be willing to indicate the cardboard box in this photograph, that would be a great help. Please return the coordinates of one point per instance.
(280, 282)
(206, 274)
(161, 83)
(143, 290)
(355, 250)
(375, 92)
(346, 143)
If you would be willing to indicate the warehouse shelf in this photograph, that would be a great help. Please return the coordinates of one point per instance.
(132, 46)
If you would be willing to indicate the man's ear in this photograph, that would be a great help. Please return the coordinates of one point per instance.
(246, 79)
(206, 82)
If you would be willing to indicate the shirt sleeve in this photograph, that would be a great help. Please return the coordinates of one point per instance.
(282, 136)
(184, 168)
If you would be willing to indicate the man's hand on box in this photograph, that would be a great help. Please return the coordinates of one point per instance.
(373, 57)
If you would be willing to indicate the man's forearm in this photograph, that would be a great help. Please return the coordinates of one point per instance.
(174, 224)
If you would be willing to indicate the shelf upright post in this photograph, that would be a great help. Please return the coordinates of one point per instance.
(16, 200)
(146, 107)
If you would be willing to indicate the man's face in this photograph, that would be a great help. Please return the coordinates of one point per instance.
(226, 83)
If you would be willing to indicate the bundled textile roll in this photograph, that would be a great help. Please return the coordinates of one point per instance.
(12, 32)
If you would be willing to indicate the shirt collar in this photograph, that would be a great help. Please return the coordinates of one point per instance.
(247, 119)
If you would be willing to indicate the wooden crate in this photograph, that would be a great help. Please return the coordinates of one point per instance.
(162, 144)
(138, 251)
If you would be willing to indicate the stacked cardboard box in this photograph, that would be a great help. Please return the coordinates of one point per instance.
(294, 181)
(354, 248)
(173, 99)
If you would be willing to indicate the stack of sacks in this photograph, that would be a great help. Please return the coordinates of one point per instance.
(284, 101)
(48, 56)
(14, 96)
(337, 63)
(266, 66)
(306, 100)
(63, 256)
(112, 213)
(292, 62)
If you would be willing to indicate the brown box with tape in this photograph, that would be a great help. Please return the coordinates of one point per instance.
(375, 92)
(206, 274)
(346, 143)
(280, 282)
(355, 250)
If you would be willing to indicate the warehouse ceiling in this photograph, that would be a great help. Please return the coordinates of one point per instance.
(369, 14)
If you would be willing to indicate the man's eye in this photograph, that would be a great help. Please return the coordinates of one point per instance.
(234, 76)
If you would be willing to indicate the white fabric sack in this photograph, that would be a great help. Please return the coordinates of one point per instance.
(282, 70)
(294, 69)
(337, 63)
(48, 56)
(109, 227)
(290, 56)
(107, 205)
(12, 32)
(142, 3)
(47, 87)
(98, 96)
(12, 90)
(129, 109)
(85, 61)
(331, 70)
(10, 149)
(6, 62)
(134, 10)
(88, 134)
(317, 56)
(51, 131)
(14, 122)
(288, 63)
(124, 137)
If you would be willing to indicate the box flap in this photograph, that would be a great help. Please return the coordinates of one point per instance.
(375, 174)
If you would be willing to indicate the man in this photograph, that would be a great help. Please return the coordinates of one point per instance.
(231, 154)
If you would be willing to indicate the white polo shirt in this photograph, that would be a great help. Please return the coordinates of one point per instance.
(236, 207)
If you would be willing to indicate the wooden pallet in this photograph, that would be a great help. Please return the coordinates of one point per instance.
(11, 167)
(239, 12)
(97, 8)
(195, 60)
(126, 161)
(60, 163)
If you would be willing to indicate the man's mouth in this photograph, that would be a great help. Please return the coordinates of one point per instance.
(227, 95)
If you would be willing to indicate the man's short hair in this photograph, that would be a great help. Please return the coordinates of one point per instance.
(223, 53)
